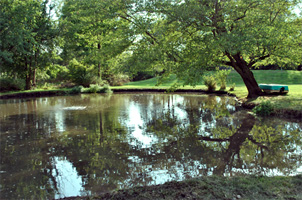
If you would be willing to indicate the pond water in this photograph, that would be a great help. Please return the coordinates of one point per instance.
(57, 147)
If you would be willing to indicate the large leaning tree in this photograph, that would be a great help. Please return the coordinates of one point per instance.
(187, 36)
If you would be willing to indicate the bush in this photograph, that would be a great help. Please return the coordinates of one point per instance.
(264, 109)
(76, 90)
(10, 84)
(94, 88)
(81, 74)
(232, 88)
(221, 77)
(210, 82)
(118, 79)
(106, 89)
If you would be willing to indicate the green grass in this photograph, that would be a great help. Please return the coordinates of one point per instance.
(288, 77)
(293, 100)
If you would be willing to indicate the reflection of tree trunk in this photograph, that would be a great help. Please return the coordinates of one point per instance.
(236, 141)
(101, 129)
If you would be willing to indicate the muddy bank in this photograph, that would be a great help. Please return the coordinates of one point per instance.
(64, 92)
(33, 94)
(214, 187)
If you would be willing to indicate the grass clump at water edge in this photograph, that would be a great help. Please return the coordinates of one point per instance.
(93, 88)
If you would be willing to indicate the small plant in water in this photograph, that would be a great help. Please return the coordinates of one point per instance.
(232, 88)
(264, 109)
(221, 77)
(106, 89)
(210, 82)
(94, 88)
(76, 90)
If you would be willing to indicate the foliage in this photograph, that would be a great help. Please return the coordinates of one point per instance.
(265, 108)
(106, 89)
(221, 77)
(232, 87)
(94, 34)
(94, 88)
(57, 72)
(210, 82)
(118, 79)
(81, 74)
(76, 90)
(189, 37)
(143, 75)
(27, 38)
(11, 84)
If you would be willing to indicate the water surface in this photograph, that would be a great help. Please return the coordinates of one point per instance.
(65, 146)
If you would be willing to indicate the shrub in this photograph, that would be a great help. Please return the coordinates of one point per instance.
(10, 84)
(106, 89)
(76, 90)
(210, 82)
(81, 74)
(118, 79)
(221, 77)
(94, 88)
(264, 108)
(232, 88)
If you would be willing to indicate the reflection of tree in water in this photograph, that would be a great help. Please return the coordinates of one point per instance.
(98, 145)
(244, 147)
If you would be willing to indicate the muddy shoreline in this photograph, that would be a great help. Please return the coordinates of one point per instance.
(129, 90)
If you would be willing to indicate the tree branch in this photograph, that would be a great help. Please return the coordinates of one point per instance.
(213, 139)
(257, 143)
(253, 61)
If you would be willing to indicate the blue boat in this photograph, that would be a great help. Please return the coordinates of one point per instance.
(273, 88)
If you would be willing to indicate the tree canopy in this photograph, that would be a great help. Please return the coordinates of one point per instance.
(183, 37)
(195, 35)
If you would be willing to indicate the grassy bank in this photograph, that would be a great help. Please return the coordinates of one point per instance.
(215, 187)
(292, 100)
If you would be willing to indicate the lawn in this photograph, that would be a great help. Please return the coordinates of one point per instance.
(292, 100)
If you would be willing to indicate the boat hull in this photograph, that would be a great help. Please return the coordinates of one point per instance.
(274, 88)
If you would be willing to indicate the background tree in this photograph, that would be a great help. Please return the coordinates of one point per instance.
(93, 33)
(27, 38)
(195, 34)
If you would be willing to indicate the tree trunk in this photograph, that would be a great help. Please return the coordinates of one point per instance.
(99, 63)
(250, 82)
(239, 64)
(34, 83)
(27, 75)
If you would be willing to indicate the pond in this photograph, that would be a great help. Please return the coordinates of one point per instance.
(55, 147)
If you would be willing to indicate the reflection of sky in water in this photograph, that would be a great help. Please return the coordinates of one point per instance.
(69, 183)
(151, 159)
(136, 127)
(136, 120)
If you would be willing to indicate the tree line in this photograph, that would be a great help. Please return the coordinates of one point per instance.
(89, 41)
